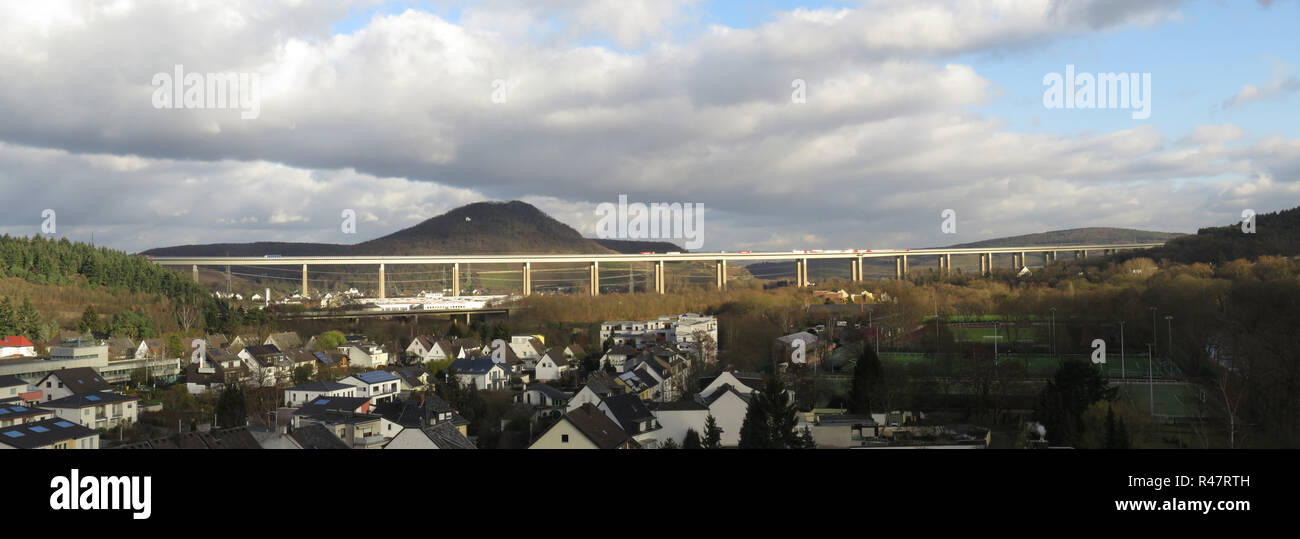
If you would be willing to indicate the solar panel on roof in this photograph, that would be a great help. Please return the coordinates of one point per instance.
(3, 411)
(14, 434)
(17, 408)
(63, 424)
(322, 401)
(92, 397)
(39, 428)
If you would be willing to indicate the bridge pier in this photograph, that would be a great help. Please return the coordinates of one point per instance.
(304, 281)
(195, 268)
(659, 276)
(595, 278)
(720, 274)
(455, 279)
(528, 278)
(383, 291)
(802, 267)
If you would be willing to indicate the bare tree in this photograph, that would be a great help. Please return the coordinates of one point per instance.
(187, 316)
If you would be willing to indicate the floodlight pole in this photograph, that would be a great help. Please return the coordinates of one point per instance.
(1121, 350)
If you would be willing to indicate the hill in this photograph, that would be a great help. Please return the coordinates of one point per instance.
(1275, 233)
(634, 246)
(1075, 236)
(479, 228)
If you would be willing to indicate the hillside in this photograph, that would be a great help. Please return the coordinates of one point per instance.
(1275, 233)
(1075, 236)
(634, 246)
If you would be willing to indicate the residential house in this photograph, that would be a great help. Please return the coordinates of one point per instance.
(802, 342)
(617, 356)
(437, 436)
(49, 434)
(414, 378)
(151, 349)
(231, 438)
(574, 352)
(638, 383)
(302, 358)
(360, 431)
(16, 415)
(98, 410)
(364, 354)
(527, 347)
(15, 390)
(66, 382)
(636, 420)
(482, 372)
(677, 417)
(585, 427)
(242, 341)
(598, 386)
(551, 365)
(421, 347)
(727, 405)
(317, 436)
(217, 340)
(301, 394)
(378, 386)
(121, 348)
(17, 346)
(267, 364)
(428, 410)
(285, 341)
(744, 382)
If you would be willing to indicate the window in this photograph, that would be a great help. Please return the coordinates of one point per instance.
(564, 438)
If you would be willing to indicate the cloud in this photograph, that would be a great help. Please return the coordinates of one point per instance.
(1283, 82)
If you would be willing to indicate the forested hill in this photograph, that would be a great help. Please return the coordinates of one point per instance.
(46, 261)
(1076, 236)
(1275, 233)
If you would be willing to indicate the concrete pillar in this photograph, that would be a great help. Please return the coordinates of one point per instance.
(455, 279)
(304, 281)
(659, 276)
(721, 272)
(528, 278)
(904, 265)
(947, 263)
(195, 268)
(383, 289)
(595, 278)
(898, 267)
(227, 279)
(1023, 262)
(990, 266)
(803, 272)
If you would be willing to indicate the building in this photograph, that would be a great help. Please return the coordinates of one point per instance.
(785, 347)
(98, 410)
(80, 350)
(17, 415)
(482, 372)
(301, 394)
(15, 390)
(636, 420)
(49, 434)
(267, 364)
(695, 332)
(68, 382)
(366, 355)
(551, 365)
(727, 405)
(585, 427)
(377, 386)
(678, 417)
(287, 340)
(17, 346)
(438, 436)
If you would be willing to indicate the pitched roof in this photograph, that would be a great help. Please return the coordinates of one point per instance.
(628, 409)
(375, 377)
(597, 427)
(478, 365)
(232, 438)
(447, 436)
(15, 340)
(262, 349)
(286, 339)
(557, 355)
(43, 433)
(723, 390)
(676, 406)
(549, 391)
(317, 436)
(86, 400)
(320, 405)
(576, 350)
(10, 412)
(80, 379)
(9, 380)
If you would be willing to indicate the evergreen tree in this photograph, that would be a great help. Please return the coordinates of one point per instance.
(770, 419)
(806, 440)
(865, 374)
(90, 320)
(1110, 428)
(29, 322)
(1076, 385)
(692, 439)
(1121, 436)
(232, 409)
(669, 444)
(712, 433)
(8, 319)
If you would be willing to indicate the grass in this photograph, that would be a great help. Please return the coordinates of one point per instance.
(1177, 400)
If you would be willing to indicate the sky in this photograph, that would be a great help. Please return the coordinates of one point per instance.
(797, 125)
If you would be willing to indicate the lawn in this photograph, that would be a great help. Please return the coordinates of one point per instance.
(1178, 400)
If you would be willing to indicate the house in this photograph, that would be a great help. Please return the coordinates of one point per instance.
(17, 415)
(329, 359)
(300, 358)
(359, 431)
(785, 347)
(317, 436)
(267, 364)
(428, 410)
(599, 386)
(285, 341)
(242, 341)
(574, 352)
(636, 420)
(644, 386)
(421, 347)
(544, 396)
(231, 438)
(617, 356)
(66, 382)
(678, 417)
(301, 394)
(122, 348)
(585, 427)
(727, 405)
(17, 346)
(744, 382)
(97, 410)
(364, 354)
(438, 436)
(151, 349)
(482, 372)
(527, 347)
(324, 405)
(414, 378)
(15, 390)
(378, 386)
(217, 340)
(551, 365)
(49, 434)
(695, 332)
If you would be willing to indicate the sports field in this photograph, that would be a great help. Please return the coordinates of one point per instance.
(1176, 399)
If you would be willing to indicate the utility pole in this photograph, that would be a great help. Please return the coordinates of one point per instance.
(1051, 332)
(1155, 327)
(1151, 383)
(1170, 320)
(1122, 371)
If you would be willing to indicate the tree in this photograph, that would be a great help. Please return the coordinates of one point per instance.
(1075, 387)
(669, 444)
(8, 319)
(712, 434)
(692, 439)
(770, 419)
(866, 374)
(90, 321)
(232, 409)
(29, 321)
(302, 374)
(330, 340)
(806, 440)
(175, 348)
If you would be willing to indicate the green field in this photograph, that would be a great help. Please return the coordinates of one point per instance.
(1006, 334)
(1178, 400)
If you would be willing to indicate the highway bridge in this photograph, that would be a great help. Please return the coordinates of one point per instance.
(902, 258)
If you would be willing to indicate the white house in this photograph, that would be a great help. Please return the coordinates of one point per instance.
(743, 382)
(422, 347)
(67, 382)
(98, 410)
(679, 417)
(436, 436)
(552, 365)
(378, 386)
(617, 356)
(365, 355)
(301, 394)
(17, 346)
(728, 407)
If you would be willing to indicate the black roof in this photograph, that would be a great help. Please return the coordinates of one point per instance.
(629, 410)
(597, 426)
(232, 438)
(321, 405)
(320, 386)
(549, 391)
(86, 400)
(43, 433)
(9, 380)
(317, 436)
(80, 379)
(676, 406)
